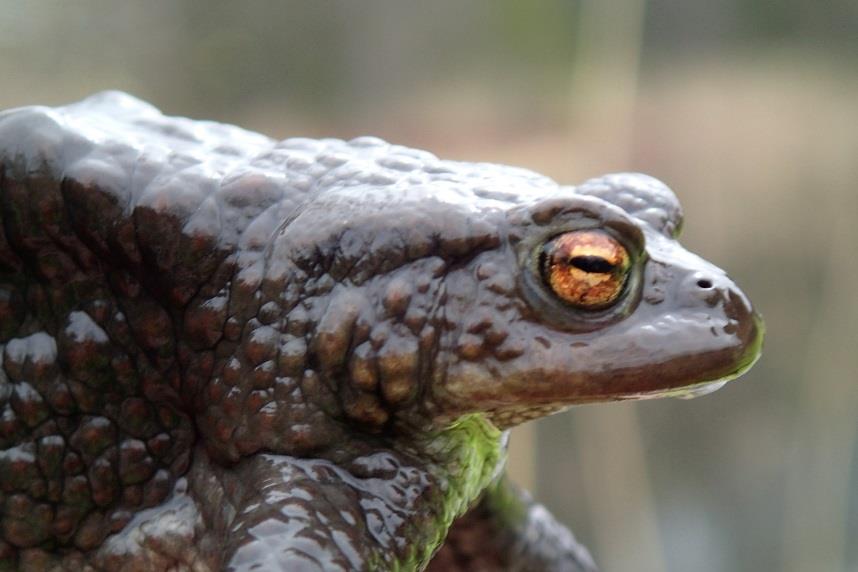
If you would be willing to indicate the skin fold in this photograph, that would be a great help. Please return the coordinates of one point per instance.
(221, 351)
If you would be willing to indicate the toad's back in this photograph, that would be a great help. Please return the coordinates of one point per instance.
(179, 297)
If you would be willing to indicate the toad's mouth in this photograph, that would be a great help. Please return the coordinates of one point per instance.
(686, 358)
(753, 355)
(701, 390)
(745, 361)
(694, 374)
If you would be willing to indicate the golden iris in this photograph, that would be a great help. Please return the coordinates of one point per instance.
(585, 268)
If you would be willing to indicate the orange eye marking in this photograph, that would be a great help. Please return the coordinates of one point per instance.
(585, 268)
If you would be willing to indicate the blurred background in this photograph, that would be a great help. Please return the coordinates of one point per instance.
(748, 109)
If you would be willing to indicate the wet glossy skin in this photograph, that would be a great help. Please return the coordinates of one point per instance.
(223, 351)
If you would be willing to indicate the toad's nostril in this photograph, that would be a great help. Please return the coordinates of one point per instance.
(704, 283)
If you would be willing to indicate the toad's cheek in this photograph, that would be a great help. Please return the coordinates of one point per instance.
(656, 352)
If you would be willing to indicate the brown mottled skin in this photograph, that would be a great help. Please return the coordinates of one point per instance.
(221, 351)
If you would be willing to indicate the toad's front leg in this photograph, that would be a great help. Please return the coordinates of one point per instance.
(374, 510)
(508, 531)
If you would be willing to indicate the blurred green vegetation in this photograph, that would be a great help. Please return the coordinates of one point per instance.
(747, 108)
(219, 57)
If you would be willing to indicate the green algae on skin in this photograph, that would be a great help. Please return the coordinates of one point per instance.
(471, 453)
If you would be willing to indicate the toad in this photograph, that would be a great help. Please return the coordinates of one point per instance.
(222, 351)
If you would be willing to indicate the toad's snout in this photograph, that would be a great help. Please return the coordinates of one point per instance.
(713, 288)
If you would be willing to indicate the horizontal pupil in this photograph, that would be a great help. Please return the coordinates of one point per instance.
(594, 264)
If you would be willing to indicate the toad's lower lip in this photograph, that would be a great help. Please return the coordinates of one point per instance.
(752, 354)
(747, 359)
(700, 390)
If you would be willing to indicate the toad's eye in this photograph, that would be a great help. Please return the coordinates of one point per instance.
(585, 268)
